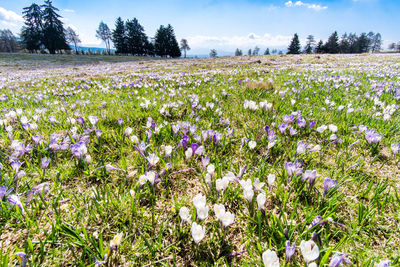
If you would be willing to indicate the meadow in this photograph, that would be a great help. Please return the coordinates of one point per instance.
(236, 161)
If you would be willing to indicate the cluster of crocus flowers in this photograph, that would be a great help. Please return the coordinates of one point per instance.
(226, 218)
(199, 201)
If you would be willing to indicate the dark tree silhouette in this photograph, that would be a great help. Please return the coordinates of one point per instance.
(53, 37)
(294, 47)
(184, 47)
(104, 33)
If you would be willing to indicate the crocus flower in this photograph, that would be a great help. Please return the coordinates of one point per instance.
(22, 258)
(110, 168)
(128, 131)
(395, 148)
(227, 219)
(188, 153)
(384, 263)
(116, 241)
(373, 138)
(45, 163)
(202, 212)
(301, 147)
(271, 179)
(15, 200)
(198, 232)
(290, 250)
(205, 161)
(93, 120)
(270, 259)
(338, 259)
(219, 210)
(210, 169)
(328, 184)
(41, 188)
(252, 145)
(222, 184)
(120, 121)
(184, 214)
(199, 200)
(261, 199)
(153, 159)
(293, 169)
(309, 250)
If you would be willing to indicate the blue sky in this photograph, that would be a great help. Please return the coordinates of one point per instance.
(223, 24)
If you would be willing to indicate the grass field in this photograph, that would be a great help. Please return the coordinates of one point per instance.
(110, 161)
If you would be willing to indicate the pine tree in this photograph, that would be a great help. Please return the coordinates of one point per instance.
(320, 47)
(332, 45)
(310, 44)
(161, 42)
(31, 33)
(213, 53)
(294, 47)
(266, 52)
(135, 37)
(119, 37)
(104, 33)
(173, 48)
(53, 36)
(238, 52)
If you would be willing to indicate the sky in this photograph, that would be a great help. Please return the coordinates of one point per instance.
(224, 25)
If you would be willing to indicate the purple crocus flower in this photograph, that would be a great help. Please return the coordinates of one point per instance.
(4, 192)
(120, 121)
(80, 120)
(109, 168)
(328, 184)
(310, 175)
(312, 124)
(293, 169)
(373, 138)
(184, 141)
(292, 131)
(194, 147)
(282, 127)
(36, 139)
(242, 171)
(79, 149)
(290, 250)
(338, 259)
(41, 188)
(98, 133)
(15, 200)
(301, 122)
(395, 149)
(288, 118)
(217, 137)
(205, 161)
(301, 147)
(15, 165)
(45, 163)
(317, 220)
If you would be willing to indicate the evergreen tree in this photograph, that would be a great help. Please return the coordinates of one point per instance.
(266, 52)
(161, 42)
(118, 37)
(213, 53)
(319, 48)
(332, 45)
(104, 33)
(184, 46)
(165, 42)
(136, 39)
(344, 44)
(310, 44)
(249, 53)
(173, 47)
(31, 33)
(362, 43)
(53, 29)
(238, 52)
(256, 51)
(294, 47)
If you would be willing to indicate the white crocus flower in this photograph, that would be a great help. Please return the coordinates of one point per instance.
(271, 179)
(309, 250)
(252, 144)
(219, 210)
(202, 212)
(261, 199)
(270, 258)
(198, 232)
(210, 169)
(199, 201)
(227, 219)
(184, 214)
(188, 153)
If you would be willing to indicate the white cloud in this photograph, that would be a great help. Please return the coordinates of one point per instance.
(69, 10)
(10, 18)
(315, 7)
(243, 42)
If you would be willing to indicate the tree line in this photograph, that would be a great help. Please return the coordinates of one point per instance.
(348, 43)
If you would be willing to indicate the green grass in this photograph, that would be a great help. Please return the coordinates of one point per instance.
(88, 204)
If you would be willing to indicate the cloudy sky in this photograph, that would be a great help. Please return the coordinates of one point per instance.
(225, 24)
